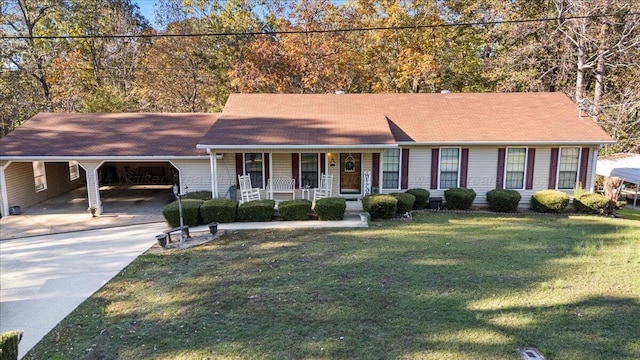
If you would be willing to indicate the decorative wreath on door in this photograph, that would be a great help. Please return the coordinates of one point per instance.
(349, 164)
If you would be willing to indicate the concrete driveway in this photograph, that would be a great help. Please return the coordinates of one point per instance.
(44, 278)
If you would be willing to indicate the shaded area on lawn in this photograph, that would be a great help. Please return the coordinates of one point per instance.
(444, 285)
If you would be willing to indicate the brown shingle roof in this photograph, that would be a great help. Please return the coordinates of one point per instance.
(345, 119)
(108, 134)
(278, 119)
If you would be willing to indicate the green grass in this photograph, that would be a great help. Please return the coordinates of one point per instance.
(629, 213)
(444, 286)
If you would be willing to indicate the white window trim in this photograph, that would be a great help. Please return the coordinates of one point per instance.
(577, 169)
(74, 174)
(381, 175)
(39, 171)
(244, 167)
(526, 163)
(440, 163)
(299, 180)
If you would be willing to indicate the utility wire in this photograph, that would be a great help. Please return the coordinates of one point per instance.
(312, 31)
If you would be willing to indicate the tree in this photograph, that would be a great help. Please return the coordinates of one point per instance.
(26, 20)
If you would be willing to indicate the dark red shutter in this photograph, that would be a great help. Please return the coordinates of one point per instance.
(531, 160)
(500, 172)
(375, 170)
(435, 158)
(553, 168)
(239, 168)
(295, 168)
(464, 164)
(404, 182)
(323, 163)
(266, 168)
(584, 164)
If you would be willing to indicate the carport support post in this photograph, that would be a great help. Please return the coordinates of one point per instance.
(3, 189)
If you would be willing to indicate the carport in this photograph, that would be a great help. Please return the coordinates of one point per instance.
(625, 166)
(111, 155)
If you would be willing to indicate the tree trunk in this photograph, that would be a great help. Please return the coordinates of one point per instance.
(580, 73)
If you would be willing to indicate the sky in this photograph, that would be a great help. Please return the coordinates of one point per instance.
(146, 8)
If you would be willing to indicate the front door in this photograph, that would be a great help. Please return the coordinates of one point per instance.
(350, 166)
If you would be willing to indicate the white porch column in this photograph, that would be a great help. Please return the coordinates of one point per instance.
(214, 174)
(93, 185)
(4, 201)
(594, 163)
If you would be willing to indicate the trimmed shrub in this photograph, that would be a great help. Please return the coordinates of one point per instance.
(422, 197)
(459, 198)
(295, 209)
(332, 208)
(405, 202)
(257, 210)
(9, 341)
(549, 201)
(219, 210)
(591, 204)
(190, 212)
(380, 206)
(201, 195)
(502, 200)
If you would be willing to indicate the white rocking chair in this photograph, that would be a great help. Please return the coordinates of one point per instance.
(247, 192)
(324, 190)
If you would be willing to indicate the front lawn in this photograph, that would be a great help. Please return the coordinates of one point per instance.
(443, 286)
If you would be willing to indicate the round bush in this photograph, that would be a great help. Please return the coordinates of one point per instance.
(190, 212)
(502, 200)
(422, 198)
(380, 206)
(591, 204)
(257, 210)
(295, 209)
(9, 341)
(330, 208)
(549, 201)
(459, 198)
(219, 210)
(405, 202)
(202, 195)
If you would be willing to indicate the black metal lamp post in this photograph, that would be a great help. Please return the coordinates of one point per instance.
(179, 196)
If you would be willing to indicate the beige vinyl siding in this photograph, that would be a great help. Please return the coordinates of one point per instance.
(333, 170)
(21, 185)
(481, 172)
(196, 174)
(226, 174)
(419, 168)
(281, 166)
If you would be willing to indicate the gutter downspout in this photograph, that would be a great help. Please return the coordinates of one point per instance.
(214, 173)
(594, 163)
(4, 209)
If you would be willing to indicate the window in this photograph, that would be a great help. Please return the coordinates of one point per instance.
(253, 167)
(74, 171)
(391, 169)
(568, 167)
(515, 168)
(449, 164)
(309, 169)
(39, 176)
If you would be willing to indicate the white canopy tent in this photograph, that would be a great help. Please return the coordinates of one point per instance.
(624, 166)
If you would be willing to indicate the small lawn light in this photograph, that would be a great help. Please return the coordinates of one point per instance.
(179, 196)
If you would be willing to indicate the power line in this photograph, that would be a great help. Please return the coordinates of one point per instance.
(312, 31)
